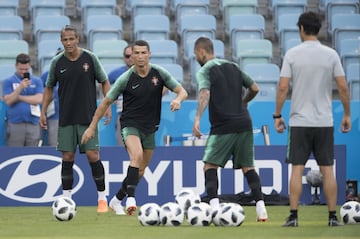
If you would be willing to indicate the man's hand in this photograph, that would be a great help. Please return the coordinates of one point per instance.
(279, 125)
(175, 105)
(87, 135)
(196, 129)
(42, 121)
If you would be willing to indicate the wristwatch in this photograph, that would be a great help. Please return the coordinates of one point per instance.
(277, 116)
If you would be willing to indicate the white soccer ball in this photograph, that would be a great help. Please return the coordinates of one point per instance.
(171, 214)
(149, 214)
(186, 198)
(314, 178)
(64, 209)
(215, 214)
(350, 212)
(199, 214)
(231, 214)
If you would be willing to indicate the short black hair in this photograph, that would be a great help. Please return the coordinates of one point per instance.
(141, 43)
(205, 43)
(311, 23)
(22, 58)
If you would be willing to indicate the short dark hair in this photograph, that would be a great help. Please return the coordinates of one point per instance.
(205, 43)
(128, 46)
(141, 43)
(22, 58)
(69, 28)
(311, 23)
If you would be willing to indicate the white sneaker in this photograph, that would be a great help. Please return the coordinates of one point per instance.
(115, 205)
(261, 212)
(131, 206)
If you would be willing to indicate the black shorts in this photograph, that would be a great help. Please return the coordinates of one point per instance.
(303, 141)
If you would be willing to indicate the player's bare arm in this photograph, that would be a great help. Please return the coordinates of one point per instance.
(181, 96)
(251, 93)
(283, 87)
(203, 101)
(345, 100)
(47, 97)
(108, 114)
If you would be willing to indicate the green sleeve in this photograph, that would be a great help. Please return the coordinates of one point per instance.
(170, 82)
(120, 85)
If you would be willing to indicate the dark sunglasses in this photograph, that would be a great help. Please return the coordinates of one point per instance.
(127, 56)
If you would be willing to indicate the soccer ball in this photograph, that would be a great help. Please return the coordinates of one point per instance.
(314, 178)
(215, 214)
(231, 214)
(149, 214)
(199, 214)
(64, 209)
(186, 198)
(171, 214)
(350, 212)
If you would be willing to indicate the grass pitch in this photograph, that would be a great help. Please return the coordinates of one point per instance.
(38, 222)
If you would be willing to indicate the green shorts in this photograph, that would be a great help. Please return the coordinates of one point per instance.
(69, 137)
(238, 147)
(147, 140)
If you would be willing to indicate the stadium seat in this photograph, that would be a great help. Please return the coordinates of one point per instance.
(46, 50)
(46, 7)
(344, 26)
(332, 7)
(95, 7)
(103, 27)
(192, 27)
(349, 51)
(353, 79)
(6, 70)
(9, 49)
(163, 51)
(48, 27)
(266, 76)
(279, 7)
(236, 7)
(287, 29)
(110, 51)
(253, 51)
(177, 72)
(13, 29)
(189, 7)
(9, 7)
(146, 7)
(151, 27)
(246, 26)
(289, 43)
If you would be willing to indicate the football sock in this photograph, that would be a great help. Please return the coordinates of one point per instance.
(122, 192)
(253, 180)
(102, 195)
(332, 215)
(211, 183)
(293, 214)
(67, 176)
(67, 193)
(133, 179)
(98, 173)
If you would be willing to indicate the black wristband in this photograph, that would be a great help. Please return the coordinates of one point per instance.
(276, 116)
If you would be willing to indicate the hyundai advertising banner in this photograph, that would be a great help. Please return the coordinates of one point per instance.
(31, 176)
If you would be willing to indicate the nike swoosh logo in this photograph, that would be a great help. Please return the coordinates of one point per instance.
(62, 71)
(135, 86)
